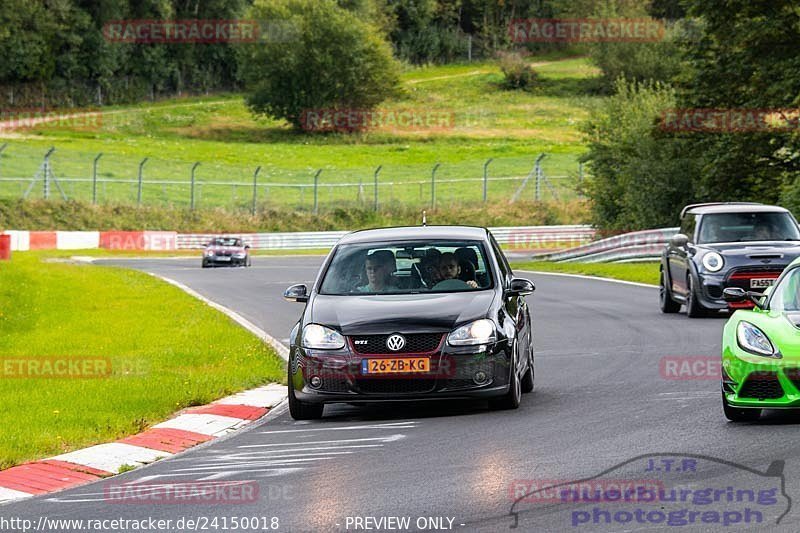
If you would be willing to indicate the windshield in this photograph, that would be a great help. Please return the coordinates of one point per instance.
(225, 241)
(786, 295)
(397, 268)
(742, 227)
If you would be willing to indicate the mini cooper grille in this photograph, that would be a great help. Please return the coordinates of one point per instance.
(741, 278)
(415, 343)
(395, 386)
(762, 386)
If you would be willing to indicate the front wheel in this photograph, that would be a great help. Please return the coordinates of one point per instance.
(693, 308)
(512, 398)
(302, 410)
(528, 377)
(666, 303)
(735, 414)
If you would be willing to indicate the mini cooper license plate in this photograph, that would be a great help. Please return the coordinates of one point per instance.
(760, 283)
(395, 365)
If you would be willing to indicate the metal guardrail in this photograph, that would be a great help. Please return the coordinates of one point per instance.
(521, 238)
(635, 246)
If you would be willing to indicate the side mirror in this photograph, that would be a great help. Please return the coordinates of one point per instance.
(296, 293)
(679, 240)
(520, 287)
(737, 294)
(246, 246)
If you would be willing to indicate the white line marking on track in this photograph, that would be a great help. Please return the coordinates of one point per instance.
(390, 438)
(390, 425)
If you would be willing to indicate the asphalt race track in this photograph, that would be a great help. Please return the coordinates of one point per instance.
(601, 409)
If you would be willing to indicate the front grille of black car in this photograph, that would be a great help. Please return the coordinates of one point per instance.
(395, 386)
(416, 343)
(334, 384)
(741, 277)
(762, 386)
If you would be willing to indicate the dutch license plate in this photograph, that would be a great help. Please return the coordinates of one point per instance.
(760, 283)
(395, 365)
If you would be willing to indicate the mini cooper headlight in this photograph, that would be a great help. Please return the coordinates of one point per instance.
(322, 338)
(753, 340)
(479, 332)
(713, 262)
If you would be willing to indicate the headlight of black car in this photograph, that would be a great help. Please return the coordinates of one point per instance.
(478, 332)
(322, 338)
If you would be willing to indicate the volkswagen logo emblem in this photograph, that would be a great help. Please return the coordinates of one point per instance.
(395, 342)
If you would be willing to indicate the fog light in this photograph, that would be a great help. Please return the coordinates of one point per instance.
(316, 382)
(480, 377)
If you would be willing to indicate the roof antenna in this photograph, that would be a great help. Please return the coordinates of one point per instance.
(424, 219)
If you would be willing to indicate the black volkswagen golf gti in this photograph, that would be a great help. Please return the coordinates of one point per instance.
(411, 313)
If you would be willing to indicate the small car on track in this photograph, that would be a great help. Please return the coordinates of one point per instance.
(229, 251)
(721, 245)
(761, 349)
(411, 313)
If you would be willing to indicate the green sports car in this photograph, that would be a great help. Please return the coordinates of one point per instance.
(761, 349)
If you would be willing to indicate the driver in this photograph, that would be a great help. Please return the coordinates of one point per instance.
(450, 269)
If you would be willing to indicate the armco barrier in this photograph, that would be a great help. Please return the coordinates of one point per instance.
(5, 247)
(514, 238)
(519, 238)
(634, 246)
(138, 240)
(77, 240)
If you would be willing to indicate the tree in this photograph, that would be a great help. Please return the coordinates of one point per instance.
(746, 57)
(331, 60)
(640, 178)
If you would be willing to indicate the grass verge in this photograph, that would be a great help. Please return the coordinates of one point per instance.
(639, 272)
(166, 350)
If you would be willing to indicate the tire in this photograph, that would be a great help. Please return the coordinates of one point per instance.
(512, 398)
(301, 410)
(693, 307)
(734, 414)
(205, 263)
(528, 377)
(666, 303)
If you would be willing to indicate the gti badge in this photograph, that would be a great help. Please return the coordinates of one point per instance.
(395, 342)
